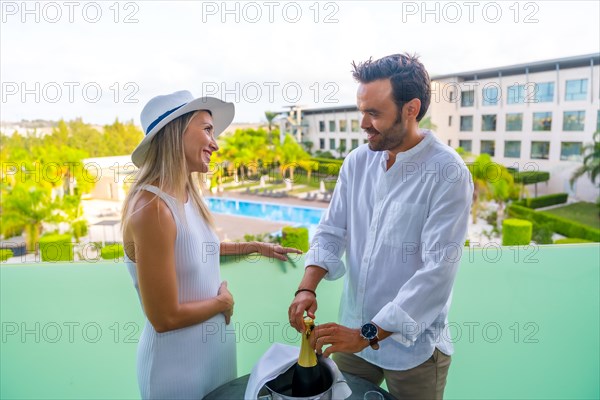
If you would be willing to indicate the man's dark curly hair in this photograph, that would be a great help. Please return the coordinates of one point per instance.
(408, 77)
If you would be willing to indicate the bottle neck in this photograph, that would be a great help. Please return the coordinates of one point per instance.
(308, 357)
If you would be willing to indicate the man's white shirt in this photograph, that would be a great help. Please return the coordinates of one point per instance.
(403, 232)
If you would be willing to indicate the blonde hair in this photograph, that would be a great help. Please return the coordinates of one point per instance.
(166, 166)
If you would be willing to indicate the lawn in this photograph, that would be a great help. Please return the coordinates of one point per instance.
(584, 213)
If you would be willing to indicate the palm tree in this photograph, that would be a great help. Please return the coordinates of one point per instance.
(28, 204)
(270, 116)
(591, 161)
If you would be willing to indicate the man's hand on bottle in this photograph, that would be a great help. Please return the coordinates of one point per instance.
(339, 337)
(304, 301)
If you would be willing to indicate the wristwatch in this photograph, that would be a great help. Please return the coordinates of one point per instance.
(369, 332)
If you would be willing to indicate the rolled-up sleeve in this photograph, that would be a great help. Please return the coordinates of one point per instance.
(423, 297)
(329, 242)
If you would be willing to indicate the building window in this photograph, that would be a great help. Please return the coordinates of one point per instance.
(467, 98)
(573, 120)
(514, 122)
(540, 150)
(542, 121)
(354, 125)
(321, 126)
(598, 121)
(571, 151)
(331, 144)
(512, 149)
(365, 141)
(466, 123)
(488, 122)
(466, 145)
(321, 144)
(451, 96)
(516, 94)
(343, 125)
(576, 89)
(488, 147)
(544, 92)
(354, 143)
(450, 120)
(449, 142)
(490, 96)
(332, 126)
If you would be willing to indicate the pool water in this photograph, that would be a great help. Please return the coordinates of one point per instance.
(297, 216)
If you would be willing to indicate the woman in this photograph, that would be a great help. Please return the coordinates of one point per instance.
(172, 251)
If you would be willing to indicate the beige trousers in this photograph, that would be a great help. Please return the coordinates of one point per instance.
(426, 381)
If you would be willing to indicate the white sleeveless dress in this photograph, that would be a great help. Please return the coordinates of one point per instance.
(187, 363)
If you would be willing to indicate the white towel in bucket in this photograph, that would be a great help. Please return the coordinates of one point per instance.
(278, 359)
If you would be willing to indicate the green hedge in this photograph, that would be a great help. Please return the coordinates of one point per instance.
(571, 240)
(544, 201)
(328, 166)
(295, 237)
(56, 247)
(112, 251)
(5, 254)
(560, 225)
(516, 232)
(530, 177)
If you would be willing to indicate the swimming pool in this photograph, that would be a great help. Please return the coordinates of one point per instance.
(295, 215)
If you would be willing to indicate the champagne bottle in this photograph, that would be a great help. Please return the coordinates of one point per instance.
(309, 377)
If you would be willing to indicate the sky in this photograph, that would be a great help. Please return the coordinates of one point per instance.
(104, 60)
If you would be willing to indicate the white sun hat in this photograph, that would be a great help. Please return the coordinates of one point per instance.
(161, 110)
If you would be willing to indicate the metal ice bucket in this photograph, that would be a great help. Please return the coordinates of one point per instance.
(280, 388)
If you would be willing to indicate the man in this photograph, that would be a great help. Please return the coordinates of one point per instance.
(400, 212)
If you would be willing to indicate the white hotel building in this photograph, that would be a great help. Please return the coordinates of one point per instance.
(534, 116)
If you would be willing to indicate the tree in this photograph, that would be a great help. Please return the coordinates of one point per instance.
(427, 124)
(270, 116)
(292, 153)
(308, 166)
(591, 161)
(342, 148)
(480, 186)
(28, 204)
(308, 145)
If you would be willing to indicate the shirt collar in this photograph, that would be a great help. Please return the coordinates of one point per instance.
(428, 138)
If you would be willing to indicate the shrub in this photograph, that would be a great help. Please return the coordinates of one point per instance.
(112, 251)
(5, 254)
(79, 229)
(262, 237)
(295, 237)
(542, 233)
(492, 218)
(558, 224)
(516, 232)
(571, 240)
(545, 201)
(55, 247)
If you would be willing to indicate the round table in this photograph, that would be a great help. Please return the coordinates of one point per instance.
(236, 388)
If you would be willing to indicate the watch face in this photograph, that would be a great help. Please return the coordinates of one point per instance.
(369, 331)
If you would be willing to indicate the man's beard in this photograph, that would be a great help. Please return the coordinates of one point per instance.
(390, 138)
